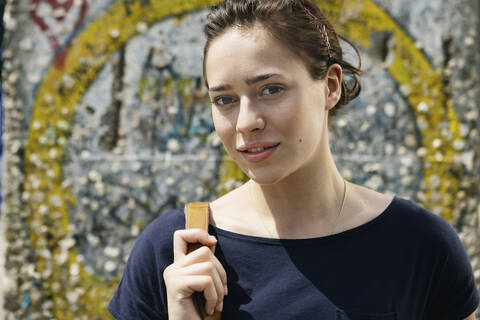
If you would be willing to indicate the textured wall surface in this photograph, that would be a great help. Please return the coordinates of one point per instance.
(108, 125)
(2, 242)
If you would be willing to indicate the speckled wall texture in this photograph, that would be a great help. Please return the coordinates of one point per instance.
(108, 125)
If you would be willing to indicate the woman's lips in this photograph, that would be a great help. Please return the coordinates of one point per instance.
(259, 156)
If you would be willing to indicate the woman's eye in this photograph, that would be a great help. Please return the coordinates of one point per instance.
(271, 90)
(223, 101)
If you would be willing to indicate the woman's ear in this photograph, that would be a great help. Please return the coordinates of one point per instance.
(334, 86)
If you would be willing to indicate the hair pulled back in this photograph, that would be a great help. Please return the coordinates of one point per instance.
(290, 23)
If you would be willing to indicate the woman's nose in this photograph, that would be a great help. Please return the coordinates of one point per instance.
(249, 117)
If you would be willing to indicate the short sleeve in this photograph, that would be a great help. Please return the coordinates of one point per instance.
(141, 293)
(454, 292)
(137, 295)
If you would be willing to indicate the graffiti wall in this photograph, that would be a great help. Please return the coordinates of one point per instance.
(2, 242)
(108, 125)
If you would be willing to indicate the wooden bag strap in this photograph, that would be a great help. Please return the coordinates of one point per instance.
(196, 216)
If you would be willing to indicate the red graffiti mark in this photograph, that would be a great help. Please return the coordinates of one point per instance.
(45, 28)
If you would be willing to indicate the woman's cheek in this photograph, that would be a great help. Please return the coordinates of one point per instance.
(224, 130)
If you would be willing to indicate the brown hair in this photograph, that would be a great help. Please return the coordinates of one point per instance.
(292, 23)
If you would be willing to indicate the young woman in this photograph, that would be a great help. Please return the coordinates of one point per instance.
(296, 241)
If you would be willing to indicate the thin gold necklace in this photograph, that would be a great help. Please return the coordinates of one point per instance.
(343, 203)
(336, 220)
(259, 215)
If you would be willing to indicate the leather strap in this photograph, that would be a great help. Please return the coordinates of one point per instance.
(196, 216)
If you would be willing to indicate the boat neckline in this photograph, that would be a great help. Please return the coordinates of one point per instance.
(342, 234)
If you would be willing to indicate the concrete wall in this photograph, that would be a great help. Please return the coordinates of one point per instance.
(108, 125)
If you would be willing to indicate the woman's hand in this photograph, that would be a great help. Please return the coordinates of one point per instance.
(197, 271)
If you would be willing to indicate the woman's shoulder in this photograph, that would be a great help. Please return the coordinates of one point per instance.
(417, 213)
(407, 219)
(448, 269)
(159, 232)
(419, 221)
(141, 292)
(171, 219)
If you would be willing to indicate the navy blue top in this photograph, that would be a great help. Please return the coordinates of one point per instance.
(405, 264)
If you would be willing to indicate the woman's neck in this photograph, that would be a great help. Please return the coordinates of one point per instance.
(310, 198)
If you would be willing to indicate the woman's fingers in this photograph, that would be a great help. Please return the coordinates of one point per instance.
(199, 277)
(182, 238)
(203, 261)
(208, 269)
(197, 270)
(204, 254)
(205, 284)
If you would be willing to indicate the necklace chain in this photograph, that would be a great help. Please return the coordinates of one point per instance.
(259, 215)
(341, 208)
(336, 220)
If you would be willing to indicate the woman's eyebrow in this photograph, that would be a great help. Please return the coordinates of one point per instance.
(248, 81)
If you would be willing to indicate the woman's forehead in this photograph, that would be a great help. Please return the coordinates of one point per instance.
(235, 42)
(247, 53)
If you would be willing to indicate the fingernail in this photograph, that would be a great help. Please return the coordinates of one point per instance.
(213, 238)
(220, 307)
(226, 289)
(211, 311)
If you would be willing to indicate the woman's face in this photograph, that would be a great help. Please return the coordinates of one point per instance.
(262, 93)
